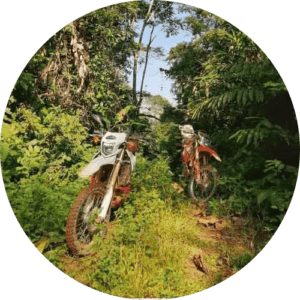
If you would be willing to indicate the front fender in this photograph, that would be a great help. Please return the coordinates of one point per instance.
(96, 164)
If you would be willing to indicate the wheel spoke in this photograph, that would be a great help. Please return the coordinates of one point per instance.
(203, 190)
(86, 203)
(80, 234)
(79, 224)
(83, 234)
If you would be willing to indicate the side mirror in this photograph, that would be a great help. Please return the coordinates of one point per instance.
(97, 119)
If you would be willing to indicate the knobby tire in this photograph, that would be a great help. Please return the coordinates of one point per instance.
(193, 186)
(75, 247)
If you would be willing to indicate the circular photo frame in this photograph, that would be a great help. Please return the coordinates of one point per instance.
(149, 149)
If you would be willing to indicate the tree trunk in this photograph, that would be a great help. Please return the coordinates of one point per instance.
(145, 68)
(148, 17)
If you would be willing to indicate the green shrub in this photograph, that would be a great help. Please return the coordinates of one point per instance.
(41, 207)
(40, 158)
(239, 261)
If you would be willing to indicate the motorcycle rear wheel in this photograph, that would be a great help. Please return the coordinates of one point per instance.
(79, 229)
(204, 191)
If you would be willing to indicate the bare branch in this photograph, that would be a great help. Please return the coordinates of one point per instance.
(137, 53)
(150, 116)
(145, 68)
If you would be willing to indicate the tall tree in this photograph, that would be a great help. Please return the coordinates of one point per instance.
(83, 66)
(159, 15)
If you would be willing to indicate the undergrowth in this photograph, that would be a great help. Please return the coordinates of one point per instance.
(149, 247)
(150, 242)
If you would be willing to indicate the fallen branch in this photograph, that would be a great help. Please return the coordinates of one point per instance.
(200, 214)
(197, 260)
(150, 116)
(209, 224)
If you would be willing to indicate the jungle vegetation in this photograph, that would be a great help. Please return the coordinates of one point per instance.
(223, 83)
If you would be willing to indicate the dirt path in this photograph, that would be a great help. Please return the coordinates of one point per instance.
(218, 253)
(224, 241)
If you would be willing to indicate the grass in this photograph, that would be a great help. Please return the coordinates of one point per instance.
(149, 246)
(159, 265)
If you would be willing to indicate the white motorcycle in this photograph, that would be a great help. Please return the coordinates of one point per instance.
(110, 172)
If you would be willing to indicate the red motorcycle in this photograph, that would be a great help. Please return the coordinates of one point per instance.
(195, 155)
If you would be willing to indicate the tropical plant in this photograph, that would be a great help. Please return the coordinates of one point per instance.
(231, 89)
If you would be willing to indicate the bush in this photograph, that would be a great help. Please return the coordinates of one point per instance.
(41, 207)
(40, 157)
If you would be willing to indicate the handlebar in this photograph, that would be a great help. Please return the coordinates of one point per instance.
(132, 137)
(141, 138)
(97, 133)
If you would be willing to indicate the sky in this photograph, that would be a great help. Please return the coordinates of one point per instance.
(156, 82)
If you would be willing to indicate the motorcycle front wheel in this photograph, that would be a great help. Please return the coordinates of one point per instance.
(80, 228)
(203, 191)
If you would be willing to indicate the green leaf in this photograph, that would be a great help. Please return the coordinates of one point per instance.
(256, 137)
(234, 135)
(251, 95)
(218, 101)
(23, 85)
(263, 195)
(239, 96)
(5, 132)
(41, 245)
(225, 97)
(249, 137)
(259, 96)
(245, 96)
(241, 136)
(4, 150)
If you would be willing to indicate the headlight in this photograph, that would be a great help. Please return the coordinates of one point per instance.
(207, 142)
(204, 140)
(107, 148)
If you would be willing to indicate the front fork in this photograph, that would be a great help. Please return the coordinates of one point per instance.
(202, 163)
(106, 203)
(203, 176)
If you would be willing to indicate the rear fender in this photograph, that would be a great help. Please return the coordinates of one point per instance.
(212, 152)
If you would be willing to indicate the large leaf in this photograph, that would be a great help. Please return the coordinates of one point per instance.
(239, 96)
(41, 245)
(245, 97)
(251, 94)
(263, 195)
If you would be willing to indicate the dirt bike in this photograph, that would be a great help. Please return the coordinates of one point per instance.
(195, 155)
(110, 171)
